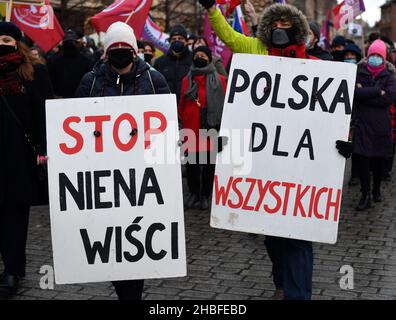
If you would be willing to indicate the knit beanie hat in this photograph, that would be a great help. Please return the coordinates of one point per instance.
(338, 41)
(10, 29)
(378, 47)
(205, 50)
(178, 30)
(120, 32)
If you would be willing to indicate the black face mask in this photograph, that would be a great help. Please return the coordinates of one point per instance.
(120, 58)
(178, 47)
(148, 57)
(283, 38)
(5, 49)
(200, 63)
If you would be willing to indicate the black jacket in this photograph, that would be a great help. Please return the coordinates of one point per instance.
(319, 53)
(174, 69)
(103, 81)
(66, 73)
(18, 167)
(371, 112)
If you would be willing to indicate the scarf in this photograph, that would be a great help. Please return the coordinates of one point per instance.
(375, 71)
(214, 93)
(10, 81)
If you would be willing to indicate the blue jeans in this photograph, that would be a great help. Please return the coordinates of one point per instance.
(292, 265)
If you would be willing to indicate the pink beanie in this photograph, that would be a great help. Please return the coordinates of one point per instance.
(378, 47)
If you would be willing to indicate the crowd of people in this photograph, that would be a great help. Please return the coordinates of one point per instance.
(122, 65)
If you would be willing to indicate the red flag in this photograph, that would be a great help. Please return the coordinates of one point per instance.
(120, 10)
(39, 23)
(232, 5)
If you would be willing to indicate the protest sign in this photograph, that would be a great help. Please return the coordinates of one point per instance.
(113, 215)
(288, 180)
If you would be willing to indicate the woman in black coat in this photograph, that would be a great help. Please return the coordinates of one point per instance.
(374, 94)
(24, 86)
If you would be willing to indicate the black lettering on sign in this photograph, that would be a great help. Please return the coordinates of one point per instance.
(129, 191)
(97, 248)
(136, 242)
(263, 142)
(149, 175)
(100, 189)
(342, 96)
(274, 102)
(234, 89)
(308, 145)
(305, 97)
(149, 242)
(77, 194)
(267, 90)
(276, 151)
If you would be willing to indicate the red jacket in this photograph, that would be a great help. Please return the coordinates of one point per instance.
(190, 114)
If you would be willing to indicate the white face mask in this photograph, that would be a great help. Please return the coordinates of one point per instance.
(190, 47)
(141, 56)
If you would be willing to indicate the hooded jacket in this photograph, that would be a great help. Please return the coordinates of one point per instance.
(239, 43)
(104, 81)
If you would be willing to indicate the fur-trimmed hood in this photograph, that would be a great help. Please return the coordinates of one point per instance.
(276, 12)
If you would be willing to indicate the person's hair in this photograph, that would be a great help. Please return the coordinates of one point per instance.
(198, 39)
(150, 44)
(26, 69)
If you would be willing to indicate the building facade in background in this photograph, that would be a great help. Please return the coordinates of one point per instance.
(387, 23)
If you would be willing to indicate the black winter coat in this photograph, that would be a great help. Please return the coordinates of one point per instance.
(174, 69)
(103, 81)
(319, 53)
(66, 73)
(371, 113)
(18, 166)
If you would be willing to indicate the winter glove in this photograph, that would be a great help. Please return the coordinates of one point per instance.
(207, 4)
(344, 148)
(221, 143)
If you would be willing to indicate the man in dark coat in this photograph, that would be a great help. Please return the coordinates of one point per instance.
(123, 74)
(177, 62)
(313, 39)
(374, 94)
(68, 67)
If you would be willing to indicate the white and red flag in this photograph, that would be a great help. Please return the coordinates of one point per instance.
(39, 23)
(121, 10)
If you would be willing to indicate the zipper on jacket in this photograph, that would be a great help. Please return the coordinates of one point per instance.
(122, 88)
(118, 79)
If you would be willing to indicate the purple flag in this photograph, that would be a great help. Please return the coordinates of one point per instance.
(219, 49)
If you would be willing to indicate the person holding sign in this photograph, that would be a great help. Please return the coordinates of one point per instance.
(283, 31)
(375, 92)
(201, 108)
(123, 74)
(24, 87)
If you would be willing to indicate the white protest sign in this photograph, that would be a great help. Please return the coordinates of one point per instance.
(288, 180)
(116, 214)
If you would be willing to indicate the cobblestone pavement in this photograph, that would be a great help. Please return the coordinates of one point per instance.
(232, 265)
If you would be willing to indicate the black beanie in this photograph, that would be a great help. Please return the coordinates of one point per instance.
(178, 30)
(10, 29)
(205, 50)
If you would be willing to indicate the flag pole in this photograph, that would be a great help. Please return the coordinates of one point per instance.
(130, 16)
(8, 10)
